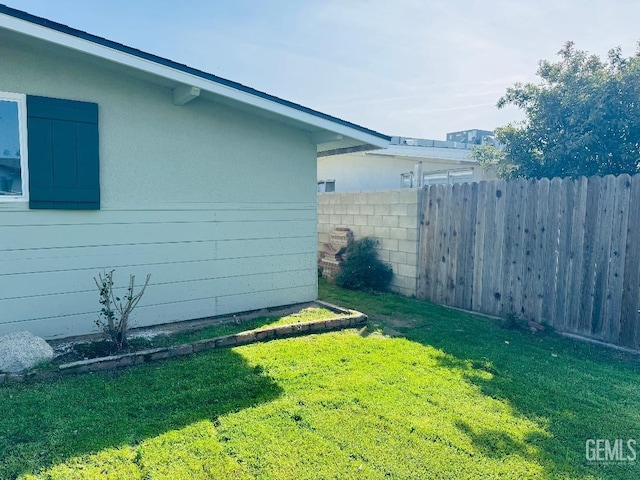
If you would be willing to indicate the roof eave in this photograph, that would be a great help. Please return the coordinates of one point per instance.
(43, 29)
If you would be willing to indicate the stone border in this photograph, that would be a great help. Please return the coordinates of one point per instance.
(347, 319)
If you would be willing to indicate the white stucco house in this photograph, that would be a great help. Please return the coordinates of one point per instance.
(398, 166)
(115, 158)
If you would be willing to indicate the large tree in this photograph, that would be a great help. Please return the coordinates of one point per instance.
(583, 118)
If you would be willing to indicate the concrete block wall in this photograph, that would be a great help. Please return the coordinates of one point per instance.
(391, 216)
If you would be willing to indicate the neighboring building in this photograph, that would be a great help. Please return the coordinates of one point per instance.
(399, 165)
(116, 158)
(472, 137)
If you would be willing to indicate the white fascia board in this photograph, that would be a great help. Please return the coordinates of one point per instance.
(69, 41)
(459, 154)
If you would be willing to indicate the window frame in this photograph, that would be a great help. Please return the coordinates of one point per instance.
(21, 100)
(449, 176)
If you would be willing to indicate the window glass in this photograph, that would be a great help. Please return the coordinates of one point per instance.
(461, 176)
(435, 178)
(448, 177)
(10, 155)
(406, 180)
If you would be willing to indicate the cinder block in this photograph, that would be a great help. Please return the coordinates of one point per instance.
(323, 199)
(408, 246)
(334, 220)
(367, 231)
(374, 198)
(390, 221)
(335, 198)
(360, 198)
(408, 196)
(407, 221)
(402, 291)
(382, 232)
(389, 244)
(398, 257)
(382, 209)
(353, 209)
(412, 209)
(393, 197)
(383, 254)
(327, 209)
(359, 219)
(322, 218)
(402, 282)
(374, 220)
(355, 229)
(410, 271)
(367, 209)
(412, 234)
(340, 209)
(398, 209)
(323, 237)
(398, 233)
(346, 220)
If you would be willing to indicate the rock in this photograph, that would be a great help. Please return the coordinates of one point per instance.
(535, 326)
(22, 350)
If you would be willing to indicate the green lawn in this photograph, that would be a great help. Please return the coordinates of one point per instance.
(443, 395)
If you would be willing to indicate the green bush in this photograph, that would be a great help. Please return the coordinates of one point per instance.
(362, 270)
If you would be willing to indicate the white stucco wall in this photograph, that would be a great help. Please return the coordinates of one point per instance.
(370, 171)
(218, 205)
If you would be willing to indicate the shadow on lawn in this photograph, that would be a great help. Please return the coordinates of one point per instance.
(45, 423)
(575, 391)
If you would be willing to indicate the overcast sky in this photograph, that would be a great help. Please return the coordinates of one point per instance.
(402, 67)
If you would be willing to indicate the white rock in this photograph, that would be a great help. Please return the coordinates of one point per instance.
(22, 350)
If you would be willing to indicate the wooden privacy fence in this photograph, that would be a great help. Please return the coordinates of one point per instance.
(564, 251)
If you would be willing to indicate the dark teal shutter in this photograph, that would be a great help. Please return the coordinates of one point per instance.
(63, 154)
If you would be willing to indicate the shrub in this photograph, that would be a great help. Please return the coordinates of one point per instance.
(114, 314)
(362, 269)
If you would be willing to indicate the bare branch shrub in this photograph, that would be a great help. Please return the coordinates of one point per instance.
(114, 314)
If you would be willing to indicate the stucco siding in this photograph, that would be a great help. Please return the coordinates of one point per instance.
(360, 171)
(218, 205)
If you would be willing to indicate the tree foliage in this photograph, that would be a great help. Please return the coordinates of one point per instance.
(583, 118)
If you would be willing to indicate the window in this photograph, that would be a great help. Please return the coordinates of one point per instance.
(448, 177)
(406, 180)
(61, 170)
(13, 148)
(326, 186)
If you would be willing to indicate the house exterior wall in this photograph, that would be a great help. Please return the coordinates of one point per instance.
(389, 216)
(217, 205)
(360, 171)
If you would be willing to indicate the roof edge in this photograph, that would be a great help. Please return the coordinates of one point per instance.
(101, 41)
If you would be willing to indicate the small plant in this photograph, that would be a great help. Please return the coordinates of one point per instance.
(114, 315)
(362, 269)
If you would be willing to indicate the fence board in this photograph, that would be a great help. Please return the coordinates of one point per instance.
(575, 254)
(630, 316)
(541, 240)
(559, 251)
(481, 223)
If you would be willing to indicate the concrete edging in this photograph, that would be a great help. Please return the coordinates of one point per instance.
(347, 319)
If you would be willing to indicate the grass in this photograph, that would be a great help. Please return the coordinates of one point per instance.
(423, 392)
(103, 348)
